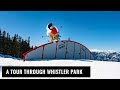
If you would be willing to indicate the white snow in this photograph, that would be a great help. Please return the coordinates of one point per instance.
(99, 69)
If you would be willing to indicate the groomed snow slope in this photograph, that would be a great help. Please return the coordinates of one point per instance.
(99, 69)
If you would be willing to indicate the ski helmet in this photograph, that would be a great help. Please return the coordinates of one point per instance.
(49, 25)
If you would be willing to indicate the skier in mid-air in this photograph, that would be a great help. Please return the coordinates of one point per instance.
(52, 32)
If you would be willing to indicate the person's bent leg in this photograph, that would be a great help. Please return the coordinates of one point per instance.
(56, 37)
(51, 37)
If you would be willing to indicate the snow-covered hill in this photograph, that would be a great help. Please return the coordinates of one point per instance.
(99, 69)
(8, 56)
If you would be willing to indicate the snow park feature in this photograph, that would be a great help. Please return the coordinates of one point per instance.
(65, 49)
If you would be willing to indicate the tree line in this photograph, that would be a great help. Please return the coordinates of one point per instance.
(14, 46)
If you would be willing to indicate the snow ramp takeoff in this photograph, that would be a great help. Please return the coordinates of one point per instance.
(65, 49)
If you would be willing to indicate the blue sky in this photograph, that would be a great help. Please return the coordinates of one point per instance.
(94, 29)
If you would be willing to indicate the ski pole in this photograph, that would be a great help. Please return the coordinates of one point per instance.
(45, 36)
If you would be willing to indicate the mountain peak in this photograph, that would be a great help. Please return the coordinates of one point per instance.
(105, 51)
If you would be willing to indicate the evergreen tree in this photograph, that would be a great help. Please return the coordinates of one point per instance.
(14, 46)
(19, 48)
(4, 43)
(7, 44)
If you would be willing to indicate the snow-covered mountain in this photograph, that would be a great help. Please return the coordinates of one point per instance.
(106, 55)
